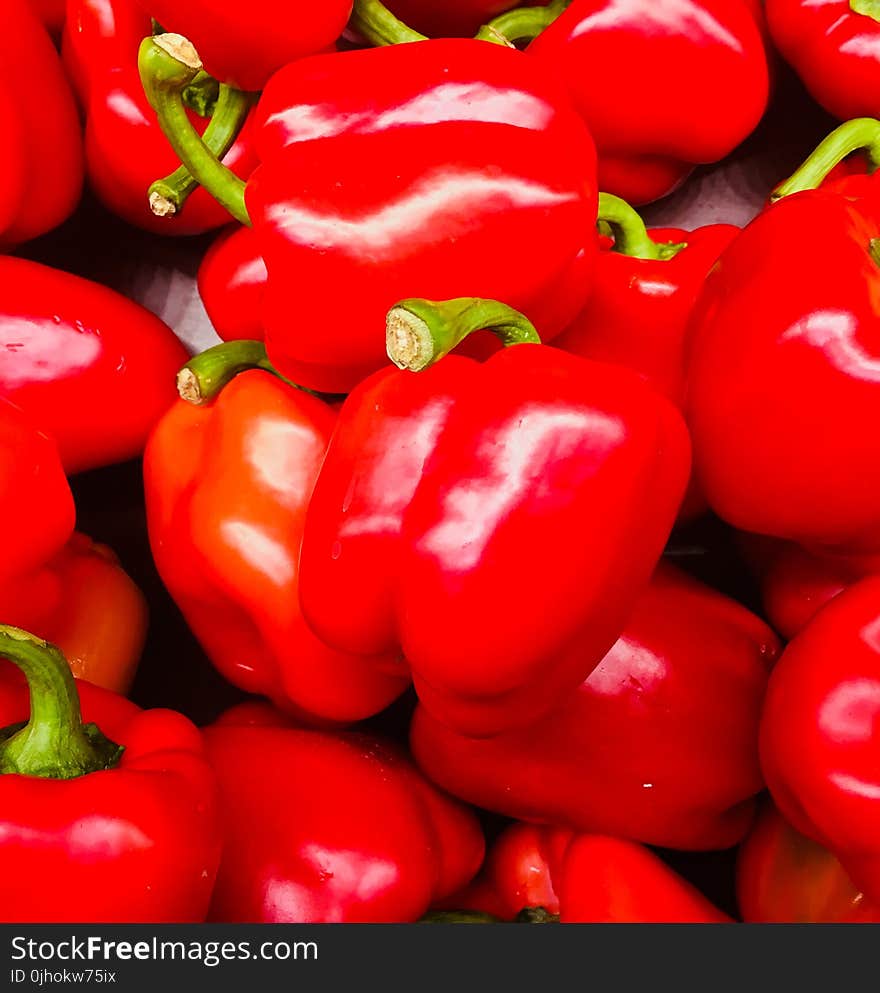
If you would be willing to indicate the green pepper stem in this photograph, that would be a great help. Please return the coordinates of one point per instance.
(870, 8)
(459, 917)
(375, 23)
(629, 232)
(861, 133)
(54, 744)
(419, 333)
(202, 94)
(521, 24)
(167, 64)
(536, 915)
(167, 196)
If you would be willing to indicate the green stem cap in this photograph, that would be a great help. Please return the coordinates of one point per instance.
(629, 232)
(168, 63)
(859, 134)
(419, 333)
(870, 8)
(54, 743)
(374, 22)
(521, 24)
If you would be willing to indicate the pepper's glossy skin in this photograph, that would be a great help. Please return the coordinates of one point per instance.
(135, 844)
(245, 46)
(90, 367)
(51, 13)
(662, 86)
(227, 487)
(42, 172)
(784, 878)
(783, 386)
(82, 601)
(232, 284)
(658, 744)
(36, 510)
(331, 828)
(819, 732)
(125, 148)
(492, 195)
(434, 486)
(451, 18)
(834, 49)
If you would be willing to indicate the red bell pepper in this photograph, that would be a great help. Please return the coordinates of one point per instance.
(435, 483)
(41, 173)
(51, 13)
(544, 875)
(125, 148)
(819, 732)
(232, 283)
(834, 46)
(91, 368)
(354, 835)
(784, 878)
(244, 46)
(797, 365)
(493, 193)
(83, 601)
(118, 829)
(227, 485)
(658, 744)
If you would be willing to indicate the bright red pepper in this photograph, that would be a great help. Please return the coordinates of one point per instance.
(115, 829)
(784, 878)
(244, 46)
(435, 483)
(354, 835)
(42, 170)
(90, 367)
(796, 366)
(232, 283)
(533, 872)
(50, 12)
(658, 744)
(125, 148)
(662, 86)
(227, 486)
(493, 194)
(819, 732)
(82, 601)
(834, 46)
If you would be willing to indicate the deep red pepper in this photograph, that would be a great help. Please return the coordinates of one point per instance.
(245, 46)
(91, 368)
(784, 878)
(41, 173)
(227, 486)
(125, 148)
(51, 13)
(118, 826)
(232, 283)
(658, 744)
(834, 46)
(819, 732)
(797, 366)
(493, 193)
(355, 835)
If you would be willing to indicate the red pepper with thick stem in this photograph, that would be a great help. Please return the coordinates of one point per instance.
(91, 368)
(545, 875)
(355, 835)
(658, 744)
(784, 878)
(227, 485)
(834, 46)
(111, 821)
(125, 148)
(493, 193)
(799, 367)
(245, 46)
(819, 732)
(232, 284)
(42, 170)
(83, 601)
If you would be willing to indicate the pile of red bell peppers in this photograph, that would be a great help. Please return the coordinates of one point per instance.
(429, 507)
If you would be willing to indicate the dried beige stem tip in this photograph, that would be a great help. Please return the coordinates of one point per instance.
(161, 206)
(179, 48)
(408, 340)
(188, 387)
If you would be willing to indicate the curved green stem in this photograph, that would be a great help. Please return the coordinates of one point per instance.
(861, 133)
(202, 94)
(167, 64)
(521, 24)
(54, 744)
(870, 8)
(167, 196)
(419, 333)
(374, 22)
(629, 232)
